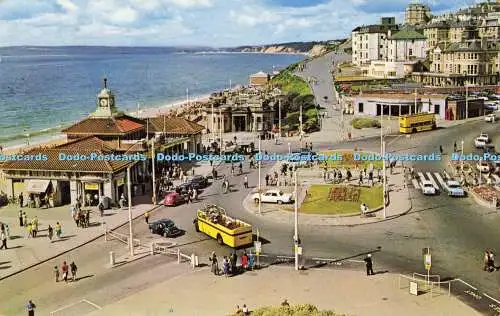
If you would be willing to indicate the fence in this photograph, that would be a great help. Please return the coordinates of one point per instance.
(166, 250)
(120, 237)
(435, 288)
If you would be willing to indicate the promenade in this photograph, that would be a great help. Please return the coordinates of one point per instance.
(346, 292)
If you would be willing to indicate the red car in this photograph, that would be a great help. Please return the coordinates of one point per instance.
(173, 199)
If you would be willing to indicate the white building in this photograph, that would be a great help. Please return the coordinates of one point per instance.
(405, 45)
(370, 43)
(399, 104)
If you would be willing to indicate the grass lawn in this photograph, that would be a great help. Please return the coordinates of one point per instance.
(291, 83)
(365, 122)
(348, 160)
(317, 201)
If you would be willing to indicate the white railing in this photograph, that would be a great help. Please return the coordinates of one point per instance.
(120, 237)
(166, 250)
(425, 284)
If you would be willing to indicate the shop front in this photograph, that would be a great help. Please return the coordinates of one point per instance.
(40, 193)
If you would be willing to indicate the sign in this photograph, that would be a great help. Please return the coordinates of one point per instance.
(298, 250)
(92, 186)
(258, 247)
(427, 262)
(120, 181)
(413, 288)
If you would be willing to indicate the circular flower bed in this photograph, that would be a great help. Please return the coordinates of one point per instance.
(486, 193)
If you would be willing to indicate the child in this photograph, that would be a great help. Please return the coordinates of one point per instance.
(56, 273)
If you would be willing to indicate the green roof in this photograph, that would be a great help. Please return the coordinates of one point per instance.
(407, 34)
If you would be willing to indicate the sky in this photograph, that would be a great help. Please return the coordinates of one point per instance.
(215, 23)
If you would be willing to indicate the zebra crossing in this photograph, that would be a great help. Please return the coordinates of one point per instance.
(435, 178)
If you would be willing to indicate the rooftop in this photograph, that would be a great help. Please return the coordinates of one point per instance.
(118, 125)
(407, 34)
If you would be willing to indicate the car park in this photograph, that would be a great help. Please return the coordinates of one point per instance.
(454, 188)
(173, 199)
(490, 118)
(164, 227)
(483, 167)
(428, 188)
(273, 196)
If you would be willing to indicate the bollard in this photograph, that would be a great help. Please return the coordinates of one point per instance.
(105, 231)
(153, 249)
(193, 263)
(178, 256)
(196, 262)
(111, 258)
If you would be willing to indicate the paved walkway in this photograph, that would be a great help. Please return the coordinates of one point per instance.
(25, 252)
(399, 204)
(350, 292)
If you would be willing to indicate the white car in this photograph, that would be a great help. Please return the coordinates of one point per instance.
(454, 188)
(479, 143)
(490, 118)
(273, 196)
(428, 188)
(483, 167)
(484, 137)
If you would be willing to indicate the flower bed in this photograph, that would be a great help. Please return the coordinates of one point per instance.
(485, 193)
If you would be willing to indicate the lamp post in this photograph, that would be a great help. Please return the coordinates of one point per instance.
(289, 148)
(129, 193)
(296, 224)
(466, 84)
(154, 169)
(220, 130)
(384, 183)
(213, 123)
(415, 102)
(461, 157)
(260, 189)
(300, 131)
(279, 117)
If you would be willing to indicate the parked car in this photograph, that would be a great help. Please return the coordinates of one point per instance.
(198, 182)
(454, 188)
(182, 188)
(164, 227)
(483, 167)
(273, 196)
(173, 199)
(490, 118)
(479, 143)
(428, 188)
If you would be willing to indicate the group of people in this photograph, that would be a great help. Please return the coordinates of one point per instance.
(81, 217)
(63, 273)
(489, 261)
(229, 263)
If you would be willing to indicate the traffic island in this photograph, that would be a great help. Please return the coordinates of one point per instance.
(340, 200)
(348, 159)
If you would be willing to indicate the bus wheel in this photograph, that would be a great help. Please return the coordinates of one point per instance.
(219, 240)
(196, 227)
(414, 130)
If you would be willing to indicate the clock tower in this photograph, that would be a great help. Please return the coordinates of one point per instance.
(105, 102)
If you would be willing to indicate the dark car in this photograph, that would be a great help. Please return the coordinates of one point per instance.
(182, 188)
(198, 182)
(164, 227)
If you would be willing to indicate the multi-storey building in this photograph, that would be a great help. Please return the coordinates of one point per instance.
(417, 14)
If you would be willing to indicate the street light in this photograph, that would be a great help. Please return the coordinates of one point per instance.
(289, 148)
(461, 158)
(296, 235)
(279, 117)
(129, 193)
(466, 84)
(260, 190)
(384, 183)
(220, 130)
(153, 167)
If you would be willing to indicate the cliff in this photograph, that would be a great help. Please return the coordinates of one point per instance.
(312, 49)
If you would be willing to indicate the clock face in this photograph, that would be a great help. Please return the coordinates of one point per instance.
(104, 102)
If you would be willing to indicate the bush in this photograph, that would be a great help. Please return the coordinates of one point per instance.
(294, 310)
(365, 122)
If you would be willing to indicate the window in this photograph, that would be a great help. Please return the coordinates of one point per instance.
(381, 46)
(361, 107)
(411, 52)
(366, 46)
(436, 108)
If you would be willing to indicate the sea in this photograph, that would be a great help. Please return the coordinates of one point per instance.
(44, 89)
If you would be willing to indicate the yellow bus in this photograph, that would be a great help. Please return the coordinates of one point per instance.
(213, 221)
(417, 122)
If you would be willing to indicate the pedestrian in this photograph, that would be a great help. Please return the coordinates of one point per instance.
(29, 229)
(369, 265)
(225, 266)
(25, 219)
(491, 262)
(251, 260)
(244, 261)
(349, 175)
(267, 180)
(146, 217)
(64, 270)
(34, 225)
(486, 260)
(58, 230)
(360, 177)
(21, 218)
(232, 169)
(245, 310)
(73, 268)
(56, 273)
(189, 194)
(3, 237)
(245, 182)
(213, 260)
(234, 259)
(7, 231)
(455, 147)
(21, 198)
(30, 307)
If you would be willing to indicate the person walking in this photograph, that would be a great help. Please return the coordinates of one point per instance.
(146, 217)
(34, 225)
(215, 267)
(245, 182)
(225, 266)
(251, 260)
(29, 229)
(3, 237)
(244, 261)
(58, 230)
(234, 259)
(246, 312)
(455, 147)
(267, 180)
(7, 231)
(21, 200)
(369, 265)
(486, 260)
(56, 273)
(21, 218)
(491, 262)
(64, 270)
(73, 268)
(30, 308)
(25, 219)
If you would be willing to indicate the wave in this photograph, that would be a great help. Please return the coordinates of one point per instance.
(17, 138)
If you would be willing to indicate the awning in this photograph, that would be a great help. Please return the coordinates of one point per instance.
(37, 186)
